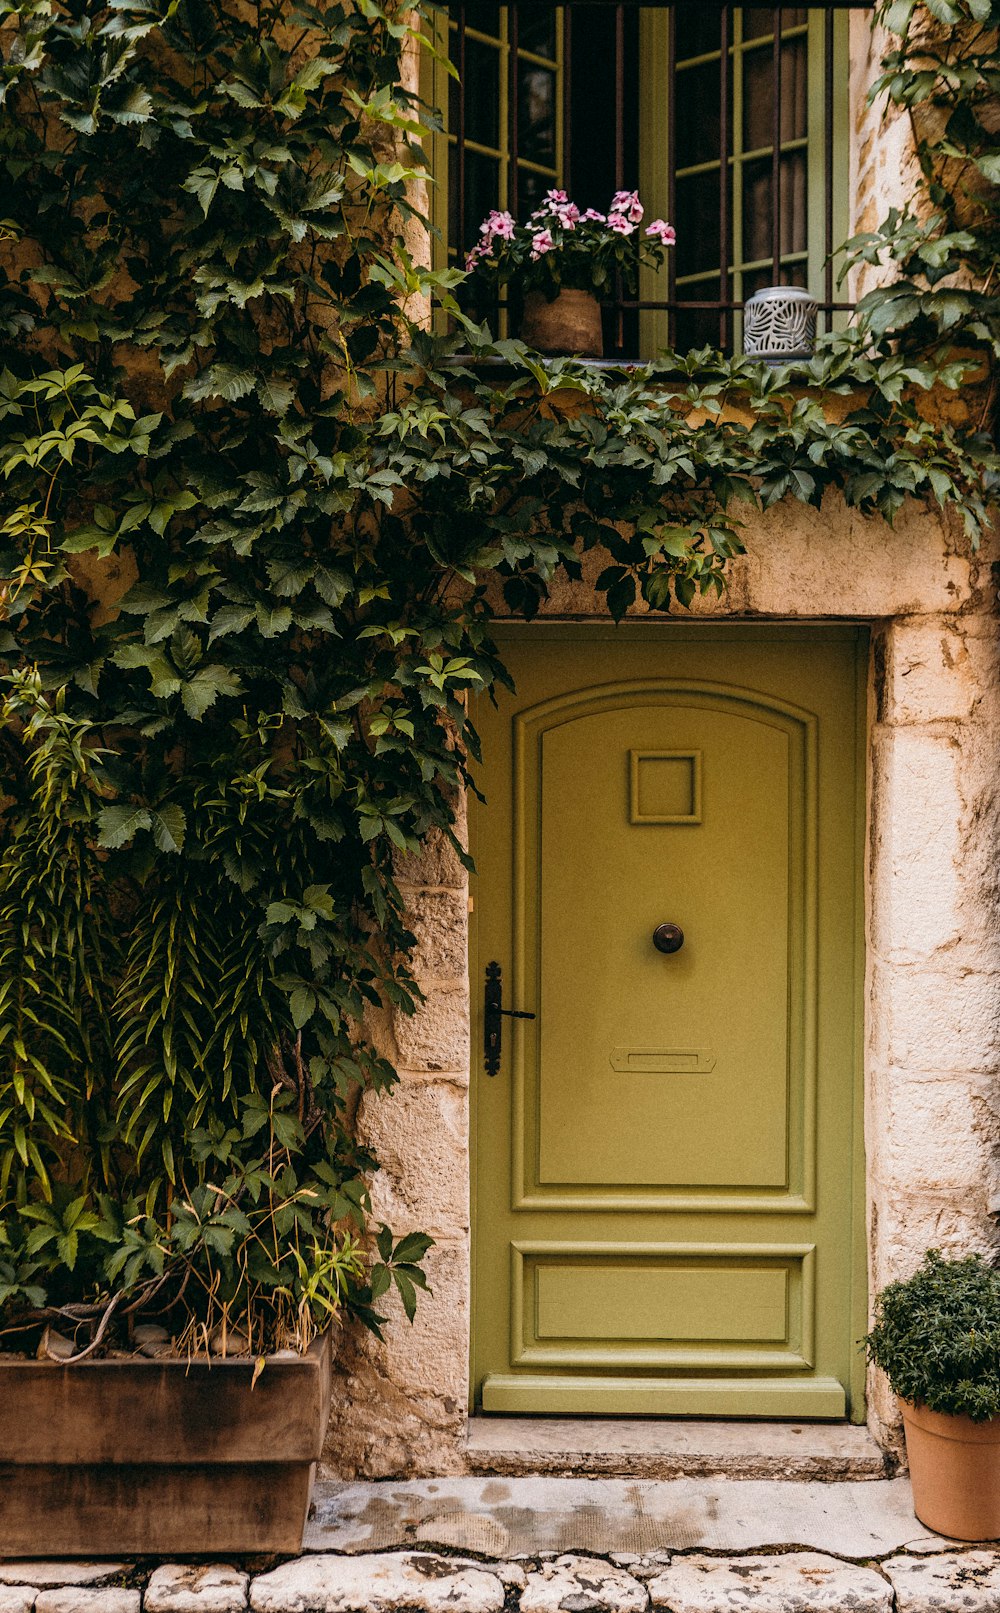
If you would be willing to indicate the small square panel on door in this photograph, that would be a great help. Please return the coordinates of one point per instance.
(665, 786)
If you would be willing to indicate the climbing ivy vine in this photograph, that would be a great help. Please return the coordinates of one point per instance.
(255, 518)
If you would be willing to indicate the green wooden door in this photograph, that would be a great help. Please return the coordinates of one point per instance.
(665, 1165)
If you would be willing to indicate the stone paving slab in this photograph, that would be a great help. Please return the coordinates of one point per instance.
(88, 1599)
(496, 1517)
(16, 1599)
(416, 1581)
(800, 1582)
(955, 1582)
(582, 1585)
(951, 1581)
(42, 1574)
(190, 1588)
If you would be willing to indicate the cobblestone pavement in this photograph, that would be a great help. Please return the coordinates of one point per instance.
(890, 1565)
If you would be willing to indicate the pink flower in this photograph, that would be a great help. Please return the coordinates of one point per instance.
(620, 224)
(664, 232)
(497, 226)
(628, 203)
(556, 198)
(597, 217)
(541, 243)
(568, 215)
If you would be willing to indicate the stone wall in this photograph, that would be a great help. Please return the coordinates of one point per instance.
(883, 165)
(400, 1406)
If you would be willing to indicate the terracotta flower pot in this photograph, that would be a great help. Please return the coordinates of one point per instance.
(133, 1457)
(569, 324)
(955, 1472)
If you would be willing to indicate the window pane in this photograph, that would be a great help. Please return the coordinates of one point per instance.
(759, 20)
(698, 327)
(482, 93)
(536, 114)
(697, 29)
(792, 274)
(484, 17)
(482, 192)
(536, 30)
(758, 94)
(531, 188)
(591, 179)
(697, 224)
(758, 206)
(696, 115)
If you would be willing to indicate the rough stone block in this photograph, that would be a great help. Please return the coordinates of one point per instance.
(194, 1588)
(417, 1581)
(582, 1585)
(934, 810)
(88, 1599)
(952, 1582)
(414, 1386)
(437, 862)
(801, 1582)
(45, 1574)
(934, 1020)
(440, 921)
(907, 1223)
(937, 670)
(802, 562)
(936, 1132)
(436, 1037)
(16, 1598)
(916, 813)
(420, 1134)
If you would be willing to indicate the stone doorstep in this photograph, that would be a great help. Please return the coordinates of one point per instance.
(636, 1447)
(503, 1518)
(425, 1582)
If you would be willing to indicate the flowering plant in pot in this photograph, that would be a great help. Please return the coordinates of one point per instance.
(561, 261)
(937, 1339)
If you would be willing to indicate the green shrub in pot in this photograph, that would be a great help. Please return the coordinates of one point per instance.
(937, 1336)
(937, 1339)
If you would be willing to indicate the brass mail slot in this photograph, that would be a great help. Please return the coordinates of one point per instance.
(663, 1060)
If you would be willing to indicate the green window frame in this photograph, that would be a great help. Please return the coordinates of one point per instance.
(508, 54)
(662, 173)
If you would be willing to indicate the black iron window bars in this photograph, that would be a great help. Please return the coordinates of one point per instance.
(755, 143)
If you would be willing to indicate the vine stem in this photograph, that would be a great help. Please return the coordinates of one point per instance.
(71, 1360)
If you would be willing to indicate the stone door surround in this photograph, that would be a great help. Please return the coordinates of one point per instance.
(932, 992)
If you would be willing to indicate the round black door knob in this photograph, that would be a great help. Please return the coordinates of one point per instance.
(668, 938)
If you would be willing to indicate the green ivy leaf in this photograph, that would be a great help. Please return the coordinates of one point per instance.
(119, 825)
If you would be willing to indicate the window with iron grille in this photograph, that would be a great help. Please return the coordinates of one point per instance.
(730, 121)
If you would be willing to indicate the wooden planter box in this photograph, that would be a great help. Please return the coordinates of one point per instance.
(118, 1458)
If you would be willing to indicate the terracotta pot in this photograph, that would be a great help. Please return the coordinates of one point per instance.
(955, 1472)
(159, 1457)
(569, 324)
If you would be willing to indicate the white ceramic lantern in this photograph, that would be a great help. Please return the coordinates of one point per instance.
(779, 325)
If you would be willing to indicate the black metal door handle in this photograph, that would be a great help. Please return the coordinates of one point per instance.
(668, 938)
(494, 1014)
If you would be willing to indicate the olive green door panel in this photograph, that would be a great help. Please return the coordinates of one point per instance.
(702, 1305)
(577, 763)
(664, 1164)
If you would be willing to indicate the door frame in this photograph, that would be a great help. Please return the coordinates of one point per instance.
(510, 632)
